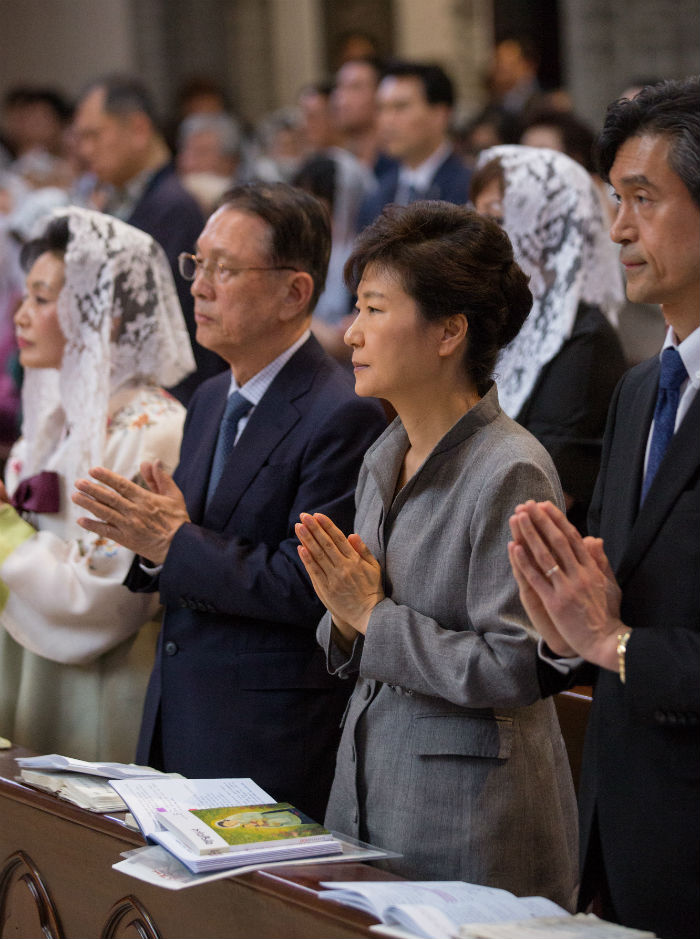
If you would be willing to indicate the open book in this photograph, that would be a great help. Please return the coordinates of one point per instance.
(434, 908)
(165, 811)
(446, 909)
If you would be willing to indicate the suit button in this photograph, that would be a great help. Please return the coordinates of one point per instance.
(170, 648)
(660, 717)
(672, 717)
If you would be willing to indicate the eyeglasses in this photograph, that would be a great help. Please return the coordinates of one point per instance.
(189, 265)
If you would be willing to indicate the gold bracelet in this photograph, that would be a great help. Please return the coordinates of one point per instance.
(622, 639)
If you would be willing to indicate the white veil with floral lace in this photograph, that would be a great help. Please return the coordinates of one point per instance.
(554, 218)
(119, 312)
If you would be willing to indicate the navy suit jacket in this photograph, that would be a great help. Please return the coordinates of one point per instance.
(170, 215)
(639, 791)
(450, 184)
(240, 687)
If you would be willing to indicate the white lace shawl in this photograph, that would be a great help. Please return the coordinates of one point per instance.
(119, 312)
(553, 215)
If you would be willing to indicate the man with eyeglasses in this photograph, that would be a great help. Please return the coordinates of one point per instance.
(240, 687)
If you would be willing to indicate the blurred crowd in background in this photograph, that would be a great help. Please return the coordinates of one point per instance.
(371, 133)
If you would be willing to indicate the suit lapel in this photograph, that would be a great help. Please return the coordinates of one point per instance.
(681, 461)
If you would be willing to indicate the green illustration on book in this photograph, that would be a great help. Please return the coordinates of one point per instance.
(252, 824)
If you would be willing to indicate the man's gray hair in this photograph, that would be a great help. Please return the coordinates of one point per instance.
(226, 128)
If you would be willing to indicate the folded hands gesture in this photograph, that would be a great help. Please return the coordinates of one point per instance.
(343, 571)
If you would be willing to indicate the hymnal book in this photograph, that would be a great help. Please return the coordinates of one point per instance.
(150, 800)
(446, 909)
(243, 827)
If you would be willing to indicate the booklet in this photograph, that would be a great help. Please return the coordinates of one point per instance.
(435, 909)
(151, 800)
(243, 827)
(109, 770)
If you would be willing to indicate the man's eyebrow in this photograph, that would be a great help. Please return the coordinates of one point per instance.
(638, 179)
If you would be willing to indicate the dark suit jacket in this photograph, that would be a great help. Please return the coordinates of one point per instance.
(170, 215)
(240, 687)
(450, 183)
(639, 791)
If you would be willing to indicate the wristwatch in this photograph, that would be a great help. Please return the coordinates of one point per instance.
(622, 638)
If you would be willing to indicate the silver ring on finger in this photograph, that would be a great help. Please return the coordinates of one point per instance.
(551, 570)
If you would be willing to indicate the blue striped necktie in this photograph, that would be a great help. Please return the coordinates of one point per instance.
(236, 407)
(673, 374)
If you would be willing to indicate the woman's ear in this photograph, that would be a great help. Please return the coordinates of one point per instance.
(300, 288)
(454, 334)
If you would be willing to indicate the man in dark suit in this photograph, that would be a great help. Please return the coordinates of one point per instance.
(415, 105)
(119, 140)
(239, 686)
(633, 609)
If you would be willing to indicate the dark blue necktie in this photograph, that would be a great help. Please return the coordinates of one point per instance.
(236, 407)
(673, 374)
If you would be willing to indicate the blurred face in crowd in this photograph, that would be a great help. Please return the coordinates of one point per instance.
(543, 135)
(39, 336)
(111, 145)
(410, 129)
(509, 66)
(201, 153)
(489, 202)
(317, 120)
(658, 228)
(353, 100)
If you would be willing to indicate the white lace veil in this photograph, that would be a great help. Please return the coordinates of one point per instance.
(119, 312)
(554, 217)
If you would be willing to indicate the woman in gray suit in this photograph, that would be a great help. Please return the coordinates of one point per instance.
(448, 754)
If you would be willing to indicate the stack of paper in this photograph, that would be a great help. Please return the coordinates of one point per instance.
(90, 793)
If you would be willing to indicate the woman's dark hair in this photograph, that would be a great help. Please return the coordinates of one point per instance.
(450, 260)
(54, 239)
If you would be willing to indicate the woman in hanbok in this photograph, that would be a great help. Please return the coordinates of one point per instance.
(100, 334)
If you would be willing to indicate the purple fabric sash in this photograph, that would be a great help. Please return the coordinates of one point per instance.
(38, 493)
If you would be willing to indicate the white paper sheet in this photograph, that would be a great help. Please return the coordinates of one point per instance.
(155, 865)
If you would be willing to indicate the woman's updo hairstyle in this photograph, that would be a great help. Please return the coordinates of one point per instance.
(54, 240)
(450, 260)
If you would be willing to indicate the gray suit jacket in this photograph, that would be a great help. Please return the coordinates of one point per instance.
(448, 754)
